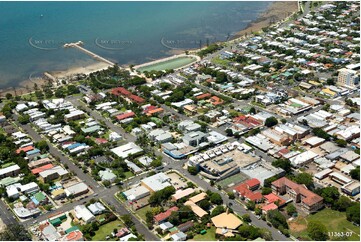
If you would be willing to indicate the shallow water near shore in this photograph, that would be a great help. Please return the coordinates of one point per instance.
(33, 33)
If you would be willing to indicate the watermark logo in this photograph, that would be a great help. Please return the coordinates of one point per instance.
(45, 44)
(113, 44)
(180, 44)
(35, 77)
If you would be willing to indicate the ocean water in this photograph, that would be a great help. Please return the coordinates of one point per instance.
(32, 33)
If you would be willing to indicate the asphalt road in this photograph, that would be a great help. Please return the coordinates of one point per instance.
(6, 215)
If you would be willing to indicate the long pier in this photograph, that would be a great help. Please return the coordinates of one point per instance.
(79, 44)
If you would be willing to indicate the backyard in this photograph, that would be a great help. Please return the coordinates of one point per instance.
(333, 220)
(209, 236)
(107, 229)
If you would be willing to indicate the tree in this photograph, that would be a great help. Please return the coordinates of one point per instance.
(251, 205)
(266, 234)
(341, 142)
(304, 178)
(271, 121)
(24, 119)
(291, 209)
(321, 133)
(249, 232)
(329, 194)
(106, 183)
(252, 110)
(231, 195)
(353, 213)
(42, 145)
(127, 219)
(258, 211)
(8, 96)
(215, 198)
(192, 170)
(355, 173)
(342, 204)
(156, 163)
(218, 210)
(229, 132)
(246, 218)
(204, 204)
(266, 190)
(72, 89)
(317, 231)
(15, 232)
(149, 217)
(285, 164)
(277, 219)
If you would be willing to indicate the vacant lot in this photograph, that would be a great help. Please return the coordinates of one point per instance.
(333, 220)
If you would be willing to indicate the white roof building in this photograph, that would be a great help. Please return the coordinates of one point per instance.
(157, 182)
(124, 151)
(96, 208)
(136, 193)
(303, 158)
(81, 212)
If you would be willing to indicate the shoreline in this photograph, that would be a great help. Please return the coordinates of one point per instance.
(274, 13)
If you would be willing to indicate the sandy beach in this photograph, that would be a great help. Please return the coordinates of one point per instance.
(80, 70)
(276, 12)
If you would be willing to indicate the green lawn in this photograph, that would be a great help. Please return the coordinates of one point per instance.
(219, 61)
(141, 212)
(333, 220)
(106, 229)
(128, 174)
(209, 236)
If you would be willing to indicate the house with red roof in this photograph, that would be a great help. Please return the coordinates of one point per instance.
(75, 235)
(121, 91)
(203, 96)
(273, 198)
(161, 217)
(216, 101)
(253, 184)
(41, 168)
(123, 116)
(246, 190)
(309, 201)
(247, 121)
(136, 98)
(25, 149)
(269, 207)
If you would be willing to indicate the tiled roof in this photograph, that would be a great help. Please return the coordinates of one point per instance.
(310, 197)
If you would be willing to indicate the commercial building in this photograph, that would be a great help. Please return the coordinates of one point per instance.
(352, 188)
(126, 150)
(222, 161)
(136, 193)
(310, 202)
(348, 78)
(76, 190)
(194, 138)
(156, 182)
